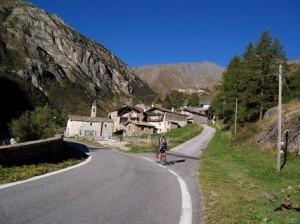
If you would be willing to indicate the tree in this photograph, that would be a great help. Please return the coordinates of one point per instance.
(193, 100)
(42, 123)
(252, 79)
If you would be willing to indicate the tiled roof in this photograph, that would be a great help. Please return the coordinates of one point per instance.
(140, 124)
(165, 110)
(89, 119)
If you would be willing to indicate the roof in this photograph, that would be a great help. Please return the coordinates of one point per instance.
(204, 102)
(140, 124)
(124, 109)
(151, 113)
(196, 111)
(165, 110)
(89, 119)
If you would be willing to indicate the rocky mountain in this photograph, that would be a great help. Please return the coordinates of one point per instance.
(43, 61)
(163, 78)
(41, 49)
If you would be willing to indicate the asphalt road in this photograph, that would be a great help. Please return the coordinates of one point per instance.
(112, 188)
(188, 170)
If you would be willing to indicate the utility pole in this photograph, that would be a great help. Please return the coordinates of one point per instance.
(279, 118)
(235, 115)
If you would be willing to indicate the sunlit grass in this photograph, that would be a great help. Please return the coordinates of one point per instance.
(175, 137)
(241, 185)
(16, 173)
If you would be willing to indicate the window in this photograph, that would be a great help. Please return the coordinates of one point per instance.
(89, 133)
(142, 128)
(94, 109)
(105, 125)
(91, 124)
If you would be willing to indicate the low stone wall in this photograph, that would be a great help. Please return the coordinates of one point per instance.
(46, 150)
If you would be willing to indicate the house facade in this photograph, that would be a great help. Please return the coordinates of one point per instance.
(92, 127)
(139, 128)
(125, 114)
(165, 120)
(194, 116)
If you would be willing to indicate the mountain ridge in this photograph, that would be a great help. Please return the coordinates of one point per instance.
(52, 64)
(48, 49)
(165, 77)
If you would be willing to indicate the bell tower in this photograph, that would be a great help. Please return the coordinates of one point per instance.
(94, 109)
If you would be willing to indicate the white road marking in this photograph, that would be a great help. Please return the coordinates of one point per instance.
(148, 159)
(151, 160)
(46, 175)
(186, 205)
(186, 209)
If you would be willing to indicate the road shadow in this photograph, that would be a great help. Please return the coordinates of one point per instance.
(182, 155)
(172, 162)
(79, 147)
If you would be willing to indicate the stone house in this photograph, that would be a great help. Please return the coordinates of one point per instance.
(194, 116)
(139, 128)
(125, 114)
(165, 120)
(204, 107)
(92, 127)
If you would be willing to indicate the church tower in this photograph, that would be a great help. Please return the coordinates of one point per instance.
(94, 109)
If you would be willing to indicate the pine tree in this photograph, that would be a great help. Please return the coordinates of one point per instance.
(252, 79)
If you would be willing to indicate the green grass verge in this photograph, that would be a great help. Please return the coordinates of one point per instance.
(241, 185)
(11, 174)
(175, 137)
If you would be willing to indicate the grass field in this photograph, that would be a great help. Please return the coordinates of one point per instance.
(174, 137)
(241, 185)
(11, 174)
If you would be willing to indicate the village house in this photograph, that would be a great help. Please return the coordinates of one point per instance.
(194, 115)
(165, 120)
(125, 114)
(92, 127)
(204, 105)
(139, 128)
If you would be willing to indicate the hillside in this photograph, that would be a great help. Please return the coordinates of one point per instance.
(46, 61)
(163, 78)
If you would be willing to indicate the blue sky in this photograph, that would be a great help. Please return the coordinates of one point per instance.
(143, 32)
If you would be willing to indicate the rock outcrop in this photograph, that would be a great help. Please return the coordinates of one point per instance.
(42, 49)
(290, 122)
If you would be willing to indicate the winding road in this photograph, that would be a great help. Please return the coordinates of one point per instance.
(112, 188)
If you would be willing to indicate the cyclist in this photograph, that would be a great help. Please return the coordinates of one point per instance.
(162, 147)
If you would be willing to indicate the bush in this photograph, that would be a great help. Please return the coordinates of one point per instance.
(42, 123)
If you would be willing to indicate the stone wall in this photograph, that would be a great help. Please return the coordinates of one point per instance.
(40, 151)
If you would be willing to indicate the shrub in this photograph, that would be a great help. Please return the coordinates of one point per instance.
(42, 123)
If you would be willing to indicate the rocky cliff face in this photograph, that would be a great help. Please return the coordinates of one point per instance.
(41, 49)
(163, 78)
(267, 137)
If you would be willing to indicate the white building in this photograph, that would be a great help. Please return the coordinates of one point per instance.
(89, 127)
(165, 120)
